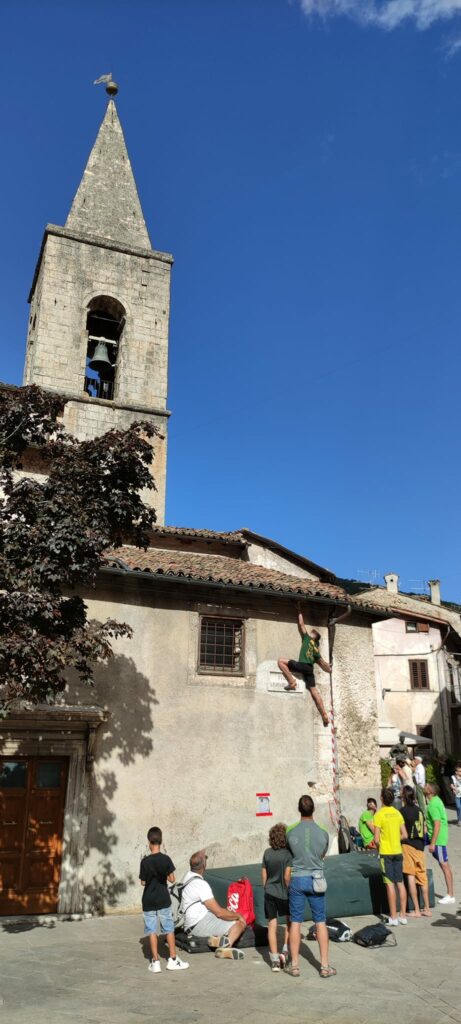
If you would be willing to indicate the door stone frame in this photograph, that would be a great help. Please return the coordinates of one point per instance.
(61, 731)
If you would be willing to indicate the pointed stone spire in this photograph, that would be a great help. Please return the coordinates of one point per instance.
(106, 203)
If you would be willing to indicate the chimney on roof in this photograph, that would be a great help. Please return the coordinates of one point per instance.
(392, 582)
(434, 587)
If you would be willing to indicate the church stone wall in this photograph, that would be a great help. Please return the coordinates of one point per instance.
(259, 554)
(356, 716)
(91, 417)
(189, 755)
(72, 273)
(190, 752)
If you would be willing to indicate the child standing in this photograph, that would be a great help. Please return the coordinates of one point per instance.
(156, 870)
(389, 829)
(275, 878)
(456, 789)
(414, 866)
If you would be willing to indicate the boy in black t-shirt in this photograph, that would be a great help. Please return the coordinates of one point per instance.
(156, 870)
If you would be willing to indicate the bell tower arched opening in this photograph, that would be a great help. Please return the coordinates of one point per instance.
(104, 324)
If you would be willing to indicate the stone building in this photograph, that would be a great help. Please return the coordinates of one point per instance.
(100, 295)
(188, 726)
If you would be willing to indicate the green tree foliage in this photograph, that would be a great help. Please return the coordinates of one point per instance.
(54, 531)
(386, 772)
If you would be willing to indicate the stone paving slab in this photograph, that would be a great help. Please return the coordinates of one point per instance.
(95, 971)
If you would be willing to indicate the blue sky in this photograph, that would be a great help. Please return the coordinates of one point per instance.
(302, 160)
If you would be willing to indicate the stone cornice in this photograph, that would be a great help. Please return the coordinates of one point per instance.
(101, 243)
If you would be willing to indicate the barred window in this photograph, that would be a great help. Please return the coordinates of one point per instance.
(221, 645)
(419, 676)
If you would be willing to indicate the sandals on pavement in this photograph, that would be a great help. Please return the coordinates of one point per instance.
(215, 941)
(229, 953)
(327, 972)
(293, 969)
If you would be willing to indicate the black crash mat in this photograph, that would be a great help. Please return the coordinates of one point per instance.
(355, 886)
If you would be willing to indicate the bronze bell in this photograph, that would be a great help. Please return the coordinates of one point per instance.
(101, 363)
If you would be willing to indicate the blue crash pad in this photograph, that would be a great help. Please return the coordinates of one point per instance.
(355, 886)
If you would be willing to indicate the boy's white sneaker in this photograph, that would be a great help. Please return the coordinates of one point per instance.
(155, 967)
(393, 922)
(176, 964)
(447, 899)
(403, 920)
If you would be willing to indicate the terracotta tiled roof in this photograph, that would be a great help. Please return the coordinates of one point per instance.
(235, 537)
(233, 572)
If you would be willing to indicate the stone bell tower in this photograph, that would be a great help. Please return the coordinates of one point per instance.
(99, 306)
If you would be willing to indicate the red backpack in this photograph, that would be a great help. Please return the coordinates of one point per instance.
(240, 899)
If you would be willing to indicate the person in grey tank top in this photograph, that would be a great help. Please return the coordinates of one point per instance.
(308, 843)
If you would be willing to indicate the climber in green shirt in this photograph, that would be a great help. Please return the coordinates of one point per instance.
(309, 656)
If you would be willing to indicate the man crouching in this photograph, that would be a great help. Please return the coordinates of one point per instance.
(204, 917)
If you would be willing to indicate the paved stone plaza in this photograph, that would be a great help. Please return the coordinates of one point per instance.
(94, 971)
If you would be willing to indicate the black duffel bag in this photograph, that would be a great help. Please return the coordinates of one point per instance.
(373, 936)
(338, 931)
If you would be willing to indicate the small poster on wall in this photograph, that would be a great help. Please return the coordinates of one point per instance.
(263, 805)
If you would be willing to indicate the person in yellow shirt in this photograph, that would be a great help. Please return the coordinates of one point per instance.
(389, 830)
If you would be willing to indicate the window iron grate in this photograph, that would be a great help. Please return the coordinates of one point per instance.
(221, 645)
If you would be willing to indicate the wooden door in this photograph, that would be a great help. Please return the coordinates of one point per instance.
(32, 796)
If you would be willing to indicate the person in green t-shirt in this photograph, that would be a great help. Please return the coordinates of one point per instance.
(437, 830)
(366, 817)
(309, 655)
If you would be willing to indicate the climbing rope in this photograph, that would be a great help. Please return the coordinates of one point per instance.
(334, 804)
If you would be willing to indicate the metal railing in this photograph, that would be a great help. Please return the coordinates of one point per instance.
(99, 388)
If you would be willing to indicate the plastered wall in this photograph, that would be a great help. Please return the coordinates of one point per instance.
(190, 752)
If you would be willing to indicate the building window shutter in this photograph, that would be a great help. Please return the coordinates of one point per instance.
(419, 676)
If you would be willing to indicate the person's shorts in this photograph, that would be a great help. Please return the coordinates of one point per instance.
(300, 889)
(391, 867)
(441, 854)
(158, 920)
(275, 906)
(307, 672)
(211, 925)
(414, 864)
